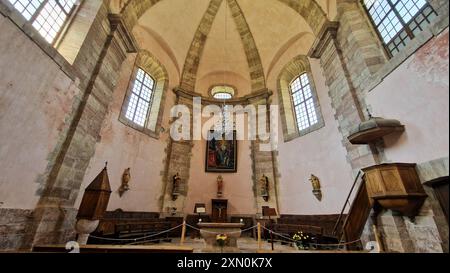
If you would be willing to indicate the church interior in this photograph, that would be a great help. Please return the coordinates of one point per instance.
(350, 98)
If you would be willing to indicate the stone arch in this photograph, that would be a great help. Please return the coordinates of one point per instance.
(191, 64)
(255, 66)
(311, 11)
(132, 10)
(290, 71)
(147, 62)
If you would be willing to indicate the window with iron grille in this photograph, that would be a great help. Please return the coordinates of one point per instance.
(399, 21)
(48, 17)
(141, 98)
(304, 102)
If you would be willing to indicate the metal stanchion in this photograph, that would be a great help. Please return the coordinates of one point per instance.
(183, 233)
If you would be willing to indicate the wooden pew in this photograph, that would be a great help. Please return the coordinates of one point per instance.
(90, 249)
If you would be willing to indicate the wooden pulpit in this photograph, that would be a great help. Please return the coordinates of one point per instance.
(219, 210)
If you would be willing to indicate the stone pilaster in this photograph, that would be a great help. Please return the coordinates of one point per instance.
(179, 154)
(264, 162)
(98, 65)
(342, 92)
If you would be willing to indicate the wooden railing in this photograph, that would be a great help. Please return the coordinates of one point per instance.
(353, 225)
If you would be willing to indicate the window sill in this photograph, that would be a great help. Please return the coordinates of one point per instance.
(140, 129)
(433, 30)
(8, 11)
(299, 134)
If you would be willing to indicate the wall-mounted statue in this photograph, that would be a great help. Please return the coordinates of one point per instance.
(126, 177)
(176, 181)
(317, 191)
(264, 183)
(219, 186)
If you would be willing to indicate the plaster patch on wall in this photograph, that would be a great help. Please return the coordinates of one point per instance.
(431, 61)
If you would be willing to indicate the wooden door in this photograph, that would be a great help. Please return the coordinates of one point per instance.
(441, 191)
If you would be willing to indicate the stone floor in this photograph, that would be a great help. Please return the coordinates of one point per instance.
(245, 245)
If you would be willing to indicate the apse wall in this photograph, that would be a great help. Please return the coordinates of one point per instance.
(416, 93)
(238, 187)
(37, 98)
(320, 153)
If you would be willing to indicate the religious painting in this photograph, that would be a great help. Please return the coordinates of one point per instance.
(221, 153)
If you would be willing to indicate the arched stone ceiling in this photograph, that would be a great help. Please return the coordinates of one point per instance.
(258, 35)
(176, 22)
(273, 25)
(151, 41)
(223, 56)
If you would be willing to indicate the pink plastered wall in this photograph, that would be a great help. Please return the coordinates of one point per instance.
(320, 153)
(417, 93)
(36, 101)
(124, 147)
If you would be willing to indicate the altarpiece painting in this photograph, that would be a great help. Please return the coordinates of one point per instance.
(221, 153)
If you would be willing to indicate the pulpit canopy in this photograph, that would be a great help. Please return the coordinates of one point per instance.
(96, 198)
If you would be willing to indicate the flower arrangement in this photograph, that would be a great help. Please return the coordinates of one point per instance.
(302, 240)
(221, 240)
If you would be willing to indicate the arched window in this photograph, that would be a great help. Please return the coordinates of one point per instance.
(399, 21)
(298, 100)
(144, 101)
(48, 17)
(141, 98)
(303, 102)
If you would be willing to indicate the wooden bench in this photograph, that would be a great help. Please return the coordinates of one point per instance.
(114, 249)
(119, 224)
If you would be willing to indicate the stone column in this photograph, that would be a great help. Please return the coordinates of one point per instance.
(343, 94)
(178, 160)
(98, 64)
(264, 162)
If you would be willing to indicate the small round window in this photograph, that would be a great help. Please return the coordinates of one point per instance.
(222, 92)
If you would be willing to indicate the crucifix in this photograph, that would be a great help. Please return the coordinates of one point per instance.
(220, 208)
(219, 213)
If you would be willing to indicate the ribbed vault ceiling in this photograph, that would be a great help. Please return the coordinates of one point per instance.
(234, 42)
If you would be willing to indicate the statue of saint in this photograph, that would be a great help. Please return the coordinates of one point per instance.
(219, 186)
(264, 187)
(126, 177)
(317, 191)
(176, 183)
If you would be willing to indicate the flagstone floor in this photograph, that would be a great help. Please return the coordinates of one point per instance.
(245, 245)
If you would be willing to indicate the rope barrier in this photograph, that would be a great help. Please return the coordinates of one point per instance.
(289, 240)
(339, 244)
(292, 240)
(136, 239)
(280, 235)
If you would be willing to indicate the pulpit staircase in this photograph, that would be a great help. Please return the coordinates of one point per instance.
(349, 227)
